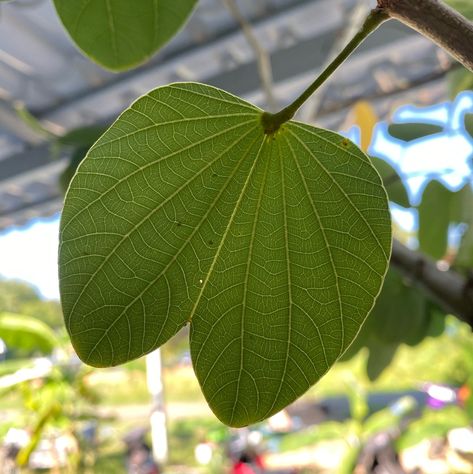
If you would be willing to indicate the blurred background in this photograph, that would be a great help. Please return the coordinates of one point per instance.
(398, 402)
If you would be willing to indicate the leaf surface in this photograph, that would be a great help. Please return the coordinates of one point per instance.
(274, 247)
(120, 34)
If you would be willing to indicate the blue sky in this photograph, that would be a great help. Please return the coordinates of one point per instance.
(30, 253)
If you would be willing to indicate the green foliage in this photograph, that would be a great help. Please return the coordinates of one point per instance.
(392, 181)
(26, 333)
(434, 218)
(439, 208)
(82, 136)
(273, 247)
(432, 424)
(120, 34)
(80, 140)
(402, 315)
(412, 131)
(460, 79)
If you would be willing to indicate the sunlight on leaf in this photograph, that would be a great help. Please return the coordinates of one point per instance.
(273, 247)
(120, 34)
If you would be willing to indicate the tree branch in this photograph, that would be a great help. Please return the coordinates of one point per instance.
(437, 21)
(449, 288)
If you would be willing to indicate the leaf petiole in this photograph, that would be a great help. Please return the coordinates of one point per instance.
(272, 122)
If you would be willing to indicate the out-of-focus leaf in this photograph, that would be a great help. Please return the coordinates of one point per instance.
(358, 401)
(32, 122)
(74, 162)
(388, 417)
(436, 319)
(432, 424)
(412, 131)
(82, 136)
(461, 205)
(439, 208)
(350, 458)
(392, 182)
(459, 80)
(464, 256)
(380, 356)
(81, 139)
(399, 311)
(23, 332)
(434, 219)
(469, 120)
(12, 365)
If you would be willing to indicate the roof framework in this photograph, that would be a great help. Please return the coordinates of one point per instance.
(40, 67)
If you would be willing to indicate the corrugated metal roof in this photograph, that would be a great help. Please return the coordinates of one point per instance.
(40, 67)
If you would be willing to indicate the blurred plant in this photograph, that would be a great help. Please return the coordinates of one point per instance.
(55, 397)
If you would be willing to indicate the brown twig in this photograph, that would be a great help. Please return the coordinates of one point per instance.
(437, 21)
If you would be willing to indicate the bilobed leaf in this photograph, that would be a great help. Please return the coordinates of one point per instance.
(272, 246)
(120, 34)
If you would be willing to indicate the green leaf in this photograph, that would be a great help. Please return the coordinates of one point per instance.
(399, 313)
(459, 80)
(434, 219)
(392, 182)
(433, 424)
(465, 7)
(469, 119)
(26, 333)
(358, 401)
(412, 131)
(390, 417)
(121, 34)
(273, 247)
(436, 319)
(82, 136)
(380, 357)
(461, 211)
(74, 161)
(464, 256)
(439, 208)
